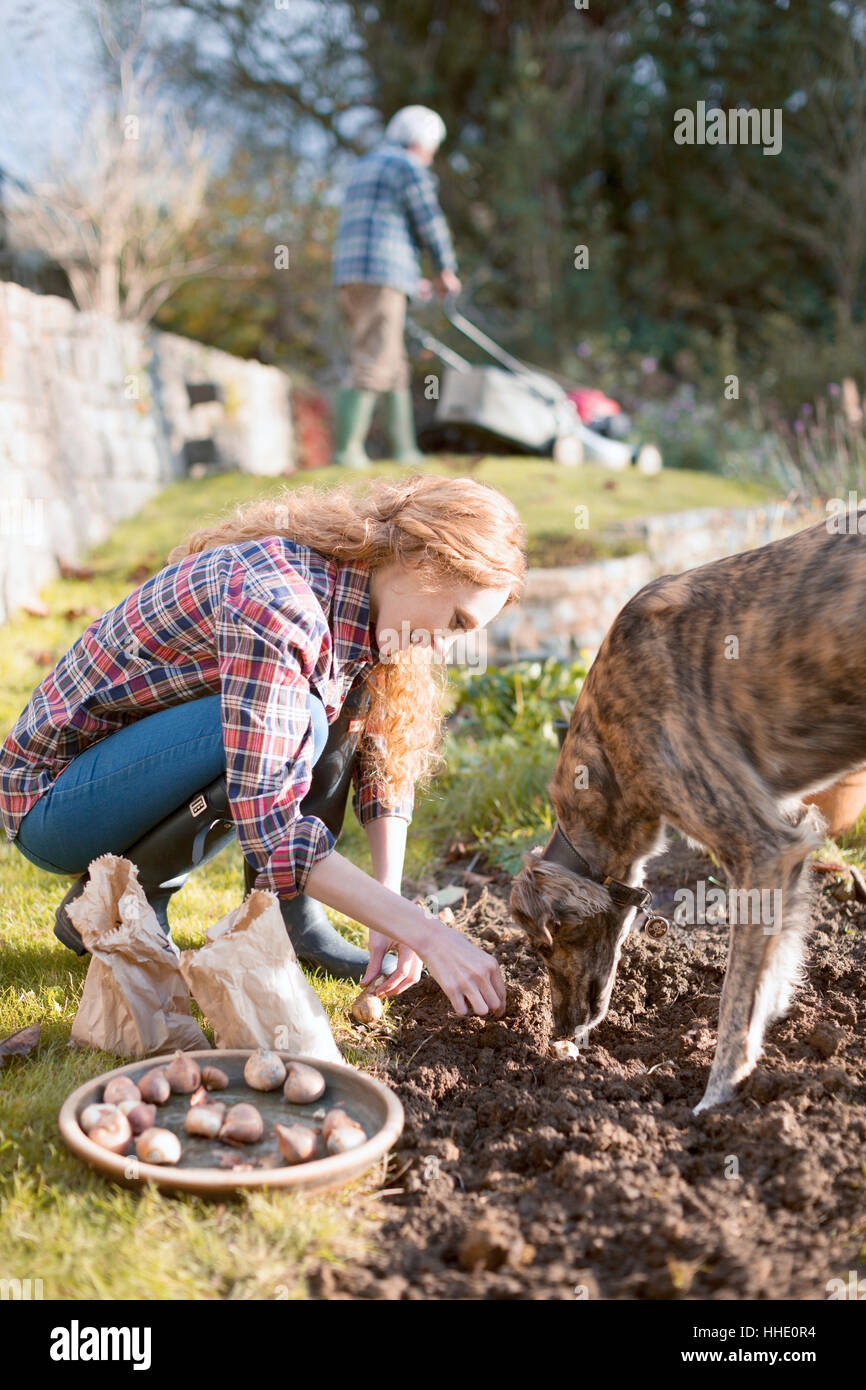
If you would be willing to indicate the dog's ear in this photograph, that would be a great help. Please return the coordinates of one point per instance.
(530, 905)
(545, 896)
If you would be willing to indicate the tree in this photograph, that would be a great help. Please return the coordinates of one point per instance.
(826, 133)
(560, 133)
(275, 225)
(121, 198)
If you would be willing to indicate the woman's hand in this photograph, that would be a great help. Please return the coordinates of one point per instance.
(469, 976)
(406, 972)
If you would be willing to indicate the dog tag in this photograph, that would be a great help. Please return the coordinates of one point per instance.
(656, 927)
(355, 725)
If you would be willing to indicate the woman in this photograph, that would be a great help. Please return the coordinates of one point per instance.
(202, 705)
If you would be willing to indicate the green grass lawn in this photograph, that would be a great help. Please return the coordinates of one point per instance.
(60, 1223)
(86, 1239)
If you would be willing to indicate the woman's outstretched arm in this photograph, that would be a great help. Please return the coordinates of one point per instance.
(469, 976)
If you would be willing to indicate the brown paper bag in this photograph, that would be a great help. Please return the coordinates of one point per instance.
(135, 1002)
(247, 982)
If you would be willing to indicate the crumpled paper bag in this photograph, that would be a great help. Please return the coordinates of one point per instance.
(247, 982)
(135, 1001)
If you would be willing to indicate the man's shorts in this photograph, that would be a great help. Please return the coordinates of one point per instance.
(376, 316)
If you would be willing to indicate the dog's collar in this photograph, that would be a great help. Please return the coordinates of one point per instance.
(561, 851)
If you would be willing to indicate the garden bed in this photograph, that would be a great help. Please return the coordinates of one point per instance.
(521, 1176)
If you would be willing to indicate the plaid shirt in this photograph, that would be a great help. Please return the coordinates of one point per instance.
(261, 623)
(390, 213)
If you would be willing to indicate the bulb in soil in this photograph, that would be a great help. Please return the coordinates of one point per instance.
(303, 1084)
(297, 1143)
(367, 1008)
(214, 1078)
(114, 1134)
(243, 1125)
(120, 1088)
(344, 1138)
(205, 1121)
(155, 1086)
(97, 1114)
(158, 1146)
(183, 1073)
(264, 1070)
(141, 1116)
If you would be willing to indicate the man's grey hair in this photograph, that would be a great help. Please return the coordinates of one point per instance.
(416, 125)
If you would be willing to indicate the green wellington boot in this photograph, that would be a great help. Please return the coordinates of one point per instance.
(352, 415)
(401, 426)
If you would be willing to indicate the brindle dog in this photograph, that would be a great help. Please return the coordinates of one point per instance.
(718, 698)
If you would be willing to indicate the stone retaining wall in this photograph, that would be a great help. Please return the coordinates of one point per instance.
(94, 419)
(566, 610)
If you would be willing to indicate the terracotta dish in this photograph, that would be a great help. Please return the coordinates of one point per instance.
(204, 1167)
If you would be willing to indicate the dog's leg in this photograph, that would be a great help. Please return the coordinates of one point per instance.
(764, 958)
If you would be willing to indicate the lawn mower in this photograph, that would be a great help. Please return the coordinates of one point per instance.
(514, 408)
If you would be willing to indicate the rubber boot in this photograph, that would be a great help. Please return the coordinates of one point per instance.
(353, 413)
(401, 427)
(166, 855)
(317, 943)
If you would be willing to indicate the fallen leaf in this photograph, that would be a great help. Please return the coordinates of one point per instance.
(37, 609)
(20, 1044)
(89, 611)
(43, 658)
(75, 571)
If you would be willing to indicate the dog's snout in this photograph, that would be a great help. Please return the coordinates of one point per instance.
(578, 1001)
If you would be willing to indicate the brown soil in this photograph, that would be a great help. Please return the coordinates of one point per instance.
(524, 1177)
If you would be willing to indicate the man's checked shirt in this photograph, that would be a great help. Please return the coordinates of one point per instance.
(390, 213)
(261, 623)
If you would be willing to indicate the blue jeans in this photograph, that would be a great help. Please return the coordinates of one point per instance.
(118, 789)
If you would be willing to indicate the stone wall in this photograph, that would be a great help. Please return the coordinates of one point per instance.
(566, 610)
(95, 418)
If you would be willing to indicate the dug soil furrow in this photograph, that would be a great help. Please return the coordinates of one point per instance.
(524, 1176)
